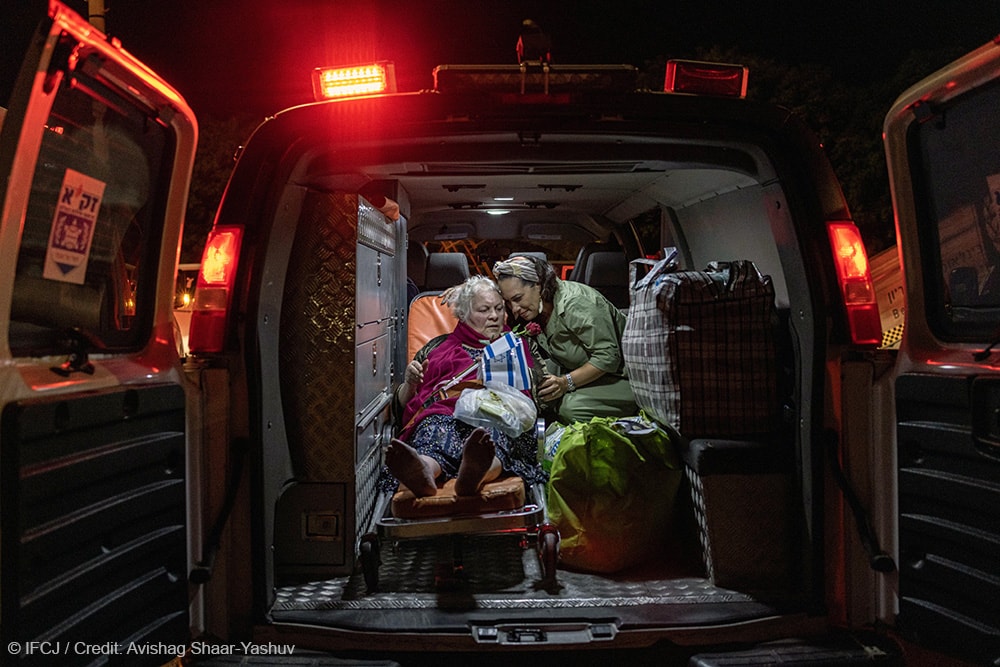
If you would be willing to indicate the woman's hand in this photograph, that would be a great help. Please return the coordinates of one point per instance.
(556, 386)
(413, 376)
(553, 387)
(414, 373)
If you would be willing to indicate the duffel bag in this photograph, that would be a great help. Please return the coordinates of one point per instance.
(700, 347)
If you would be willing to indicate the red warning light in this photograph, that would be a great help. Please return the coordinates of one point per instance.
(705, 78)
(353, 81)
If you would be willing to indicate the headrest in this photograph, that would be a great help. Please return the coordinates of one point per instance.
(416, 262)
(446, 269)
(530, 253)
(606, 268)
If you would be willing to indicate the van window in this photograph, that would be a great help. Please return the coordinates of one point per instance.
(960, 214)
(91, 238)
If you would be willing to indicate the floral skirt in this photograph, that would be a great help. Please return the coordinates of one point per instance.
(442, 438)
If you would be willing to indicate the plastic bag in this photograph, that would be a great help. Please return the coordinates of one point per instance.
(612, 491)
(497, 405)
(548, 447)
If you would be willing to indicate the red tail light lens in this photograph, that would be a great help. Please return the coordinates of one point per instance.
(701, 78)
(214, 290)
(856, 288)
(371, 79)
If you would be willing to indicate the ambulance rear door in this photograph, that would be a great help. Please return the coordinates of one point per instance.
(942, 138)
(96, 154)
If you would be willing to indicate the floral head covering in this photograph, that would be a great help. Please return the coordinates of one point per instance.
(518, 267)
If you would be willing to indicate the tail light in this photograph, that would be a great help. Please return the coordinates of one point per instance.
(371, 79)
(214, 290)
(855, 281)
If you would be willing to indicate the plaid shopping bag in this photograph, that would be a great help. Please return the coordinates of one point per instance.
(700, 348)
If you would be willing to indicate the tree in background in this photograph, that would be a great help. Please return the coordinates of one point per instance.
(219, 140)
(847, 117)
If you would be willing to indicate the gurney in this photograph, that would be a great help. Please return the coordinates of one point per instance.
(502, 507)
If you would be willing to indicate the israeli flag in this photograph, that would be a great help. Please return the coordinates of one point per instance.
(504, 361)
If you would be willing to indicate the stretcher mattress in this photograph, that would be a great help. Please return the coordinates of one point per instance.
(500, 495)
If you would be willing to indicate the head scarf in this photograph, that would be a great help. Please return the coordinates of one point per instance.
(518, 267)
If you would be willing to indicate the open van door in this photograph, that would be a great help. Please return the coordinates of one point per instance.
(96, 153)
(941, 144)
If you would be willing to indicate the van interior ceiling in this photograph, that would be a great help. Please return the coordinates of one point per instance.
(562, 195)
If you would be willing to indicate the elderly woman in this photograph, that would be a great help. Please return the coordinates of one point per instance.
(581, 332)
(433, 444)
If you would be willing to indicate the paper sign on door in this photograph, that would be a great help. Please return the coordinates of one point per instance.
(73, 228)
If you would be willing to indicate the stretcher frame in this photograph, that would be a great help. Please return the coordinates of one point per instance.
(530, 520)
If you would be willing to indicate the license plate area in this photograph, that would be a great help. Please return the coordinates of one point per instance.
(547, 634)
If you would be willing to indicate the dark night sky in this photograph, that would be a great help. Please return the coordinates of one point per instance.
(250, 55)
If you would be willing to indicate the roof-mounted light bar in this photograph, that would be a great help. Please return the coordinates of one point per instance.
(705, 78)
(331, 83)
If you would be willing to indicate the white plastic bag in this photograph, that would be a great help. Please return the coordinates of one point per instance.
(497, 405)
(550, 445)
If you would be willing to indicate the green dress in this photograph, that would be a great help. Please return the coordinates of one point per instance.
(584, 326)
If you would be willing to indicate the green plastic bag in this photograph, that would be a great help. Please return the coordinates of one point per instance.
(611, 493)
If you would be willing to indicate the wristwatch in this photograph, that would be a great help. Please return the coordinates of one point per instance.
(570, 385)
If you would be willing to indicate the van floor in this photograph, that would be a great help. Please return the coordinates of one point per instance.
(422, 586)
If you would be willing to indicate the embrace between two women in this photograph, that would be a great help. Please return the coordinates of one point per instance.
(584, 376)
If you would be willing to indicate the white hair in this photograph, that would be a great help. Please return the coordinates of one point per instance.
(459, 298)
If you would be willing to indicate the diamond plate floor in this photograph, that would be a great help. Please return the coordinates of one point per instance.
(498, 573)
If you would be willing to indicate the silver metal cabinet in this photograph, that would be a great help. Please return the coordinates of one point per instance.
(339, 331)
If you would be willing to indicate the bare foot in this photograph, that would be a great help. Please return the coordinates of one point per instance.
(409, 468)
(477, 459)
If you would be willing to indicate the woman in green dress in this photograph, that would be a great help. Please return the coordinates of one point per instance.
(581, 333)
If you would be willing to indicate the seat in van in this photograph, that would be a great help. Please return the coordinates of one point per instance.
(607, 272)
(428, 318)
(530, 253)
(583, 257)
(445, 269)
(416, 263)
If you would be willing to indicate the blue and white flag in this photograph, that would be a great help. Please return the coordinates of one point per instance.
(504, 361)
